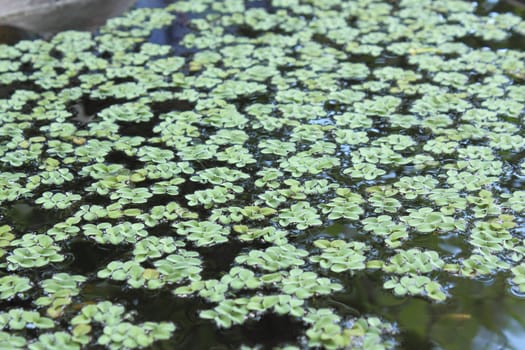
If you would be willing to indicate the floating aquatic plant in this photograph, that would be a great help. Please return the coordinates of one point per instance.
(215, 167)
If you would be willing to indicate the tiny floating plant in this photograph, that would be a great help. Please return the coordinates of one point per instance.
(207, 175)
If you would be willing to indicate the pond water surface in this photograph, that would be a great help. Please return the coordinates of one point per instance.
(484, 311)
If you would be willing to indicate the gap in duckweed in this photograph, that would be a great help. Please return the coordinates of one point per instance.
(26, 217)
(89, 257)
(271, 330)
(257, 174)
(120, 157)
(479, 312)
(218, 260)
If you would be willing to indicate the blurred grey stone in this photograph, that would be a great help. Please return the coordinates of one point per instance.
(47, 17)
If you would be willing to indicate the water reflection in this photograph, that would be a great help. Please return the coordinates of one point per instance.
(479, 314)
(496, 322)
(173, 34)
(162, 36)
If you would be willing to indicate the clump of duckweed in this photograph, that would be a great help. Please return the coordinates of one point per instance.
(268, 122)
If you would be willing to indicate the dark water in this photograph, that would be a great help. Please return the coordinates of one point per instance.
(11, 35)
(480, 314)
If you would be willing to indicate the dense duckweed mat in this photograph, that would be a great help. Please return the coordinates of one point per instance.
(284, 174)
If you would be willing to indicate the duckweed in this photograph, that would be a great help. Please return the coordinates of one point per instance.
(206, 174)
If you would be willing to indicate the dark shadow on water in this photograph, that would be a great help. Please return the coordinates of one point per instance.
(144, 129)
(89, 256)
(172, 105)
(26, 216)
(119, 157)
(218, 259)
(270, 330)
